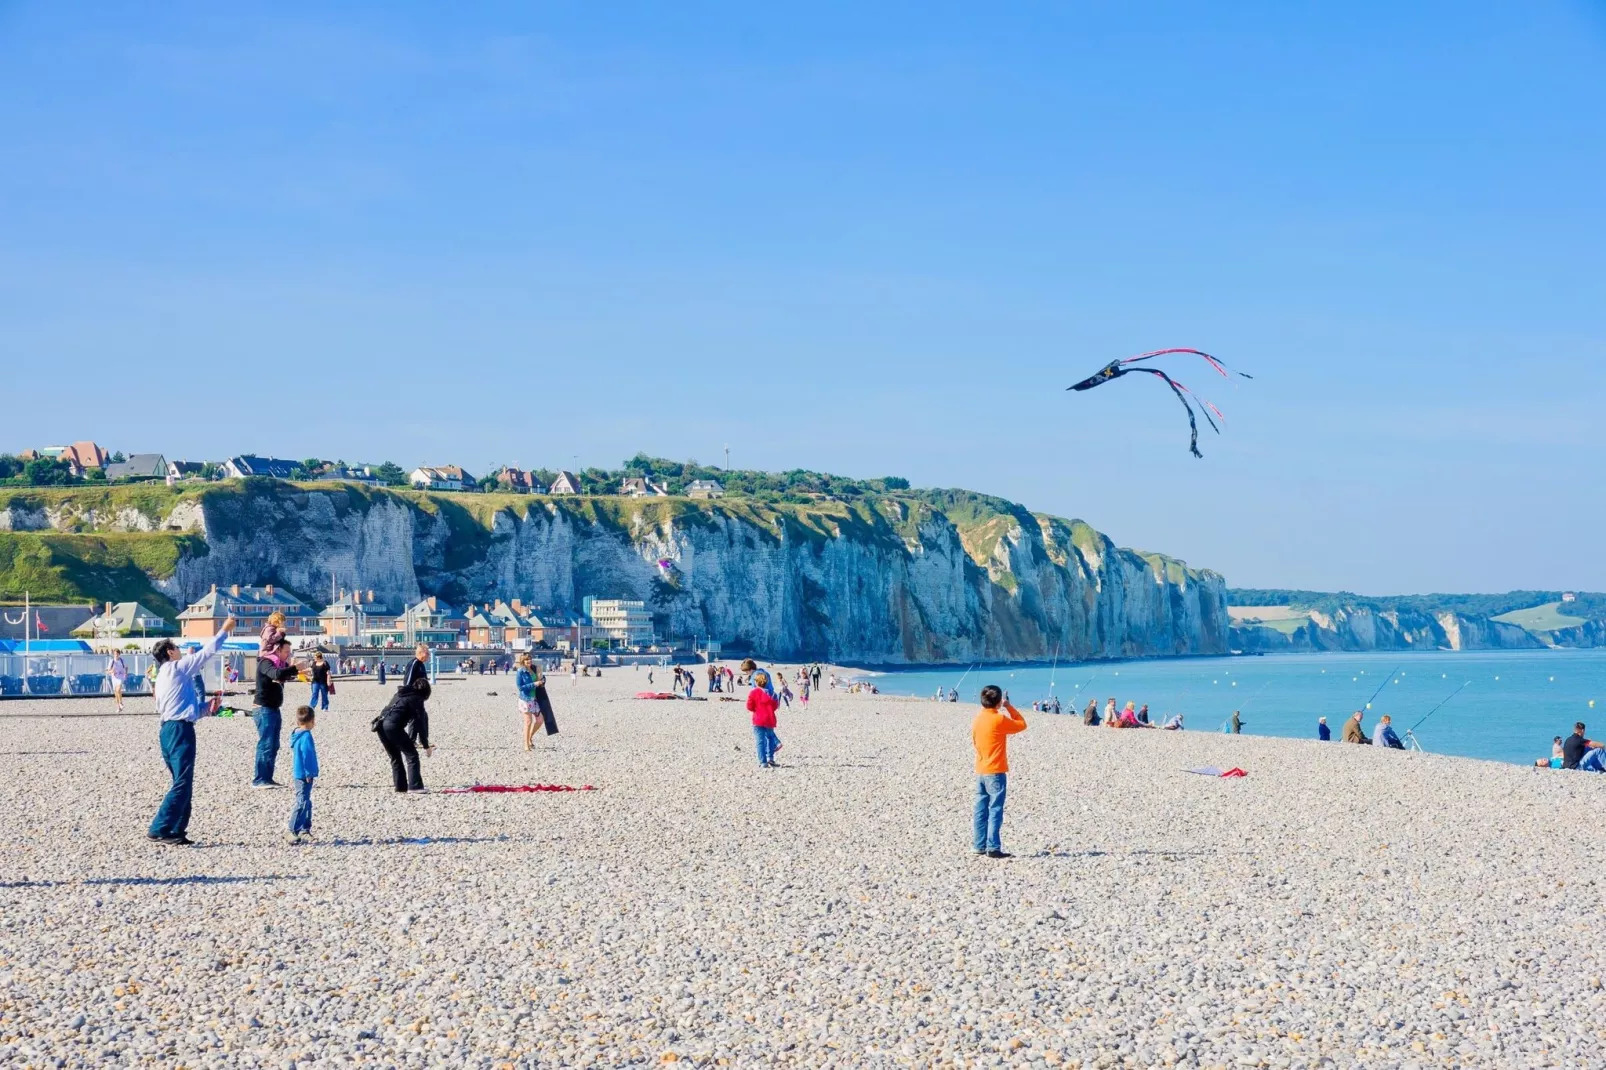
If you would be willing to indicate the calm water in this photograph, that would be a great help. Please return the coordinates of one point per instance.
(1514, 702)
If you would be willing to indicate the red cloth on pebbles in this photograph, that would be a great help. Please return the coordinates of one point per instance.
(508, 788)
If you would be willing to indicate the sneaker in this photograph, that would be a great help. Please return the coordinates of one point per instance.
(418, 791)
(999, 854)
(266, 784)
(180, 840)
(295, 839)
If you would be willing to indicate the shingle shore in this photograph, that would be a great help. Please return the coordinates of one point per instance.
(1339, 905)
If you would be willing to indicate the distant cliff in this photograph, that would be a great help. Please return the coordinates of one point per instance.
(1265, 621)
(918, 577)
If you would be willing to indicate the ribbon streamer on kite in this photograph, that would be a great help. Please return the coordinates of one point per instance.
(1117, 368)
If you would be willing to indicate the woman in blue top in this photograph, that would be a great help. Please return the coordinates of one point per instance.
(527, 679)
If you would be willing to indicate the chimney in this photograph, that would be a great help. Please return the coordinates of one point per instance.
(214, 588)
(108, 609)
(269, 589)
(370, 595)
(431, 602)
(234, 589)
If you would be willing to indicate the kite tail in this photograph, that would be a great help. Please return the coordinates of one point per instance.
(1214, 362)
(1177, 389)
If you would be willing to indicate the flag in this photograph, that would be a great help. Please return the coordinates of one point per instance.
(39, 623)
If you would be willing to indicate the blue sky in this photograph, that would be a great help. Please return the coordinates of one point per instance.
(870, 239)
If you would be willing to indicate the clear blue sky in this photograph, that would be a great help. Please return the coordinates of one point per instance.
(864, 238)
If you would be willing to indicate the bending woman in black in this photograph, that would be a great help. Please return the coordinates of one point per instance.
(405, 722)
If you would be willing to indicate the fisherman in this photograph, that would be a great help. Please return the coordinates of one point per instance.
(1237, 723)
(1384, 735)
(1353, 733)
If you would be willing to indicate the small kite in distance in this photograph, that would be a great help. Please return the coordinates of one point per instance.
(1117, 368)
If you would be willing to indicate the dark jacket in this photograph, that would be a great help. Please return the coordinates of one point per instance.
(270, 683)
(406, 710)
(320, 673)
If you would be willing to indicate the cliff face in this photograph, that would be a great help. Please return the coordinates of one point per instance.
(890, 580)
(1359, 628)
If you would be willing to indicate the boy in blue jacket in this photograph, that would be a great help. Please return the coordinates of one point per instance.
(303, 770)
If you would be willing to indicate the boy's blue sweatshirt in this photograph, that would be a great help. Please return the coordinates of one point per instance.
(303, 755)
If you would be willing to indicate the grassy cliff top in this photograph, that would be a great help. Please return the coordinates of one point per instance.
(86, 561)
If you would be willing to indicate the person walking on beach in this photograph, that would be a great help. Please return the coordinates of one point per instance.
(989, 734)
(1323, 733)
(178, 710)
(273, 669)
(1384, 735)
(526, 678)
(1353, 732)
(403, 726)
(303, 770)
(118, 671)
(320, 682)
(762, 705)
(1575, 746)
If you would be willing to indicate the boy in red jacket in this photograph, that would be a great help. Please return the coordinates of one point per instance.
(761, 704)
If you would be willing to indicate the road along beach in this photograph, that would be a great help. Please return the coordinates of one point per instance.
(1338, 903)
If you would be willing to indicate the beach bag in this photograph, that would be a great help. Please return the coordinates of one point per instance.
(331, 687)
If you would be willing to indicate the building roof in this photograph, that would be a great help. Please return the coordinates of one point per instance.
(85, 455)
(704, 484)
(248, 464)
(185, 468)
(219, 602)
(566, 483)
(139, 465)
(444, 473)
(123, 618)
(349, 600)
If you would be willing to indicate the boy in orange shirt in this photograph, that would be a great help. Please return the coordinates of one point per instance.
(990, 733)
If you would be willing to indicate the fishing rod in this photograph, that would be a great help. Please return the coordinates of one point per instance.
(1379, 691)
(967, 673)
(1437, 708)
(1053, 670)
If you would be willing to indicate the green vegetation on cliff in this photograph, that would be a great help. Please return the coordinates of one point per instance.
(112, 567)
(84, 557)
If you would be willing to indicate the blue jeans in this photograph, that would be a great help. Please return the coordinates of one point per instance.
(301, 816)
(178, 751)
(767, 742)
(989, 820)
(320, 697)
(268, 721)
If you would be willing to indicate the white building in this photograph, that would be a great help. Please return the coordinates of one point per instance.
(637, 487)
(623, 621)
(565, 483)
(705, 488)
(440, 477)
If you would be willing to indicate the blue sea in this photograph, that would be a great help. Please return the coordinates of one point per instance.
(1511, 706)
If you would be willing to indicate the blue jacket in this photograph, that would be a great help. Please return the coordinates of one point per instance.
(1323, 733)
(525, 682)
(303, 755)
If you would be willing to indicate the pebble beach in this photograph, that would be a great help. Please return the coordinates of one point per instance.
(1339, 906)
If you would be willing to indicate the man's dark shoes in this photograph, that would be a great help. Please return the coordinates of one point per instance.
(999, 854)
(179, 840)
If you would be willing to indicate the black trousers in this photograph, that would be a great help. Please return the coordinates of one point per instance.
(398, 746)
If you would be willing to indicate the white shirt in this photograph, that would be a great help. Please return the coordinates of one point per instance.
(176, 699)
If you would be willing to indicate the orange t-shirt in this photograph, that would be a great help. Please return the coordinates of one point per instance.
(990, 732)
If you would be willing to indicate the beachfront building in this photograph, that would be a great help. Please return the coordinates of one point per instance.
(83, 456)
(348, 616)
(123, 620)
(705, 488)
(566, 483)
(249, 464)
(250, 607)
(429, 620)
(637, 487)
(623, 622)
(518, 481)
(138, 466)
(440, 477)
(504, 624)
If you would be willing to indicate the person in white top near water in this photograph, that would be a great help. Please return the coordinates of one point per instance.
(178, 707)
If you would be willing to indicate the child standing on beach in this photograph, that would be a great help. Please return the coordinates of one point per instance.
(762, 705)
(304, 770)
(990, 733)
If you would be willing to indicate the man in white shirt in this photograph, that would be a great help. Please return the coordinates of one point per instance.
(179, 707)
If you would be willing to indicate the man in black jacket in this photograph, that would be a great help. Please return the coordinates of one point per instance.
(273, 669)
